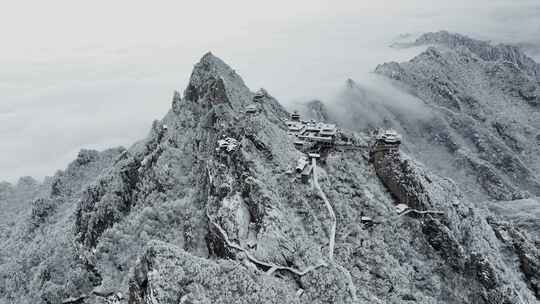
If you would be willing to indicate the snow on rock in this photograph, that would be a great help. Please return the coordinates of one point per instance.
(449, 232)
(524, 213)
(168, 274)
(480, 121)
(156, 222)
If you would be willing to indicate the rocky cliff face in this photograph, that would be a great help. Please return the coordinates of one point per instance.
(205, 210)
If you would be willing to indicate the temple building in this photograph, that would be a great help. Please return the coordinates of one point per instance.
(311, 131)
(387, 143)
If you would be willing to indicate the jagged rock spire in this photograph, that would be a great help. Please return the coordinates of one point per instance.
(216, 82)
(176, 101)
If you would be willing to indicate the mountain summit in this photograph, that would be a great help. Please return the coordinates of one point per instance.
(213, 76)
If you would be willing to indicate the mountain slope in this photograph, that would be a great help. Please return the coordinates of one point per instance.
(476, 118)
(487, 97)
(524, 213)
(184, 217)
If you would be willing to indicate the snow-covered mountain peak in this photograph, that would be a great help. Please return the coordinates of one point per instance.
(214, 82)
(483, 49)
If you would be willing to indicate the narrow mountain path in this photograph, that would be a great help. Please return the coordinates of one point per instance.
(272, 267)
(328, 207)
(346, 273)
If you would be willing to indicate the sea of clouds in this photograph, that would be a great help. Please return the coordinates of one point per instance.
(95, 74)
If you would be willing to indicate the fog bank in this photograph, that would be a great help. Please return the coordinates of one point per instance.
(95, 74)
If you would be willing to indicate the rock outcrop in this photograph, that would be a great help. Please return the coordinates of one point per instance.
(528, 253)
(167, 274)
(523, 213)
(449, 232)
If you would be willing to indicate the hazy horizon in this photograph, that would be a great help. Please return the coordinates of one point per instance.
(96, 74)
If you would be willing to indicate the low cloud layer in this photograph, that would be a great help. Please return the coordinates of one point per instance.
(373, 102)
(95, 74)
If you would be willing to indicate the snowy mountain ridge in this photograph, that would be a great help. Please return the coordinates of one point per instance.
(209, 209)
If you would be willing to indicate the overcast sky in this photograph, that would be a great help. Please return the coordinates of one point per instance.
(94, 74)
